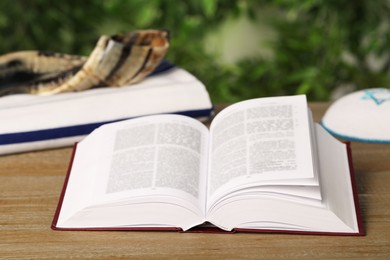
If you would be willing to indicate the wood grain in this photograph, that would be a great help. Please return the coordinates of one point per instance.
(30, 185)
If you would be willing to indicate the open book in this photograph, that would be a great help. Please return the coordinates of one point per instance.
(262, 166)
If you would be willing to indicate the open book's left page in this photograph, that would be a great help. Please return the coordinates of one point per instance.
(135, 167)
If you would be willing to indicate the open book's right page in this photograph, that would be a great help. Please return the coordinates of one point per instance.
(263, 141)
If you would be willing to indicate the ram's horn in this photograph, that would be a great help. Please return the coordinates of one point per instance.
(23, 71)
(116, 61)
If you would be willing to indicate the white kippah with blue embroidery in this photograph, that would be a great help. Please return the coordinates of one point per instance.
(360, 116)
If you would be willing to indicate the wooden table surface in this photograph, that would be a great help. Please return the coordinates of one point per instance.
(30, 185)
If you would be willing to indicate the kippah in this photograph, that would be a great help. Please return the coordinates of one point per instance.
(360, 116)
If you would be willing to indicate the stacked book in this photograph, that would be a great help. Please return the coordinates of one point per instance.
(31, 122)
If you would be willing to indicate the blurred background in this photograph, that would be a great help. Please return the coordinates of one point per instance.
(239, 49)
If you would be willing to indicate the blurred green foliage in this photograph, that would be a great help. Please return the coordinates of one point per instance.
(320, 44)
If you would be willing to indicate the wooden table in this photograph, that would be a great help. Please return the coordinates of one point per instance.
(30, 185)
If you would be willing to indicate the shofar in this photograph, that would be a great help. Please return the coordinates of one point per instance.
(116, 61)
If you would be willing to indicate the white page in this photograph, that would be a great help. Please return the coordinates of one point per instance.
(337, 185)
(336, 211)
(133, 159)
(153, 156)
(262, 140)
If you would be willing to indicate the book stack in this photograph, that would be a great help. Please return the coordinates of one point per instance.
(31, 122)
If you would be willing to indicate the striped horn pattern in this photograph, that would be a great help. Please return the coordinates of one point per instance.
(116, 61)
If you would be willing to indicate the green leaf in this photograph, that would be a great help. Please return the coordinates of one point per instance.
(303, 88)
(209, 7)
